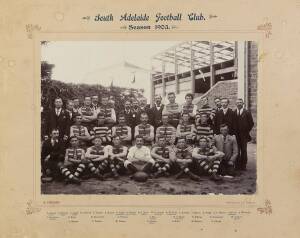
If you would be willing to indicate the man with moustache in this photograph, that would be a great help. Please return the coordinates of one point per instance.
(155, 113)
(224, 116)
(243, 124)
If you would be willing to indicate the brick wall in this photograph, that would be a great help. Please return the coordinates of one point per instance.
(252, 83)
(221, 89)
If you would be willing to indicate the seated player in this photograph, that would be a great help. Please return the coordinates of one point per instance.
(74, 163)
(145, 130)
(166, 130)
(139, 157)
(102, 130)
(227, 144)
(172, 109)
(117, 155)
(108, 111)
(80, 131)
(183, 159)
(87, 112)
(203, 128)
(208, 158)
(97, 157)
(186, 129)
(52, 155)
(163, 156)
(122, 130)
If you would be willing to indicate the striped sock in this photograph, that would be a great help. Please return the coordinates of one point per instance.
(92, 167)
(79, 170)
(204, 165)
(216, 165)
(66, 173)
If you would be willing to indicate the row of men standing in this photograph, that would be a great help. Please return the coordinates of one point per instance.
(239, 121)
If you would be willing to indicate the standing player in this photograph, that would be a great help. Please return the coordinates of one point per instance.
(80, 131)
(108, 112)
(88, 113)
(203, 128)
(97, 156)
(186, 129)
(139, 157)
(74, 163)
(102, 130)
(183, 159)
(172, 109)
(208, 158)
(189, 107)
(145, 130)
(163, 156)
(166, 130)
(122, 130)
(117, 155)
(205, 109)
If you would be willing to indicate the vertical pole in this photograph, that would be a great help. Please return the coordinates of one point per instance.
(192, 69)
(176, 72)
(246, 98)
(163, 78)
(152, 85)
(235, 59)
(241, 69)
(212, 59)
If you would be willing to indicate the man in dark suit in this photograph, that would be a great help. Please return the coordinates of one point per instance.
(52, 155)
(58, 119)
(155, 113)
(71, 113)
(243, 124)
(224, 116)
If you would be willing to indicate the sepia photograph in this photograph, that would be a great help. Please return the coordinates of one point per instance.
(149, 117)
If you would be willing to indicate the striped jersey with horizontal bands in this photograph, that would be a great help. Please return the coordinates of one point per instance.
(173, 106)
(185, 128)
(87, 111)
(78, 130)
(168, 132)
(163, 151)
(103, 132)
(185, 153)
(187, 108)
(203, 110)
(204, 130)
(106, 111)
(74, 153)
(122, 130)
(97, 150)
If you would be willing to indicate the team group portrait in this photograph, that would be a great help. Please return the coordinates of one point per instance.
(148, 117)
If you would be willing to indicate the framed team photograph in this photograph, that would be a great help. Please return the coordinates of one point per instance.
(149, 117)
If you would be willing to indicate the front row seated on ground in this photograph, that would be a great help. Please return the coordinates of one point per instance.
(101, 161)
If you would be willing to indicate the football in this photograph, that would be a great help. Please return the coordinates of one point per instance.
(140, 176)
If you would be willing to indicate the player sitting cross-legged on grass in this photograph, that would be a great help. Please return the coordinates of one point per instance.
(183, 159)
(97, 156)
(117, 155)
(163, 156)
(208, 158)
(74, 163)
(139, 158)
